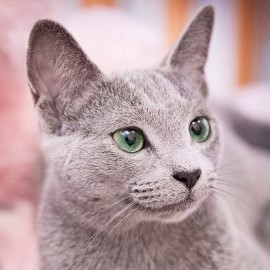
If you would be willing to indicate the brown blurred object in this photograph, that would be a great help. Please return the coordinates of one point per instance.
(247, 16)
(87, 3)
(177, 16)
(254, 37)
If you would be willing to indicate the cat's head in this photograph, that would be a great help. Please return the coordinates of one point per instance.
(144, 142)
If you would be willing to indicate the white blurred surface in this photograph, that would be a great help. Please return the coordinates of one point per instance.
(253, 101)
(115, 40)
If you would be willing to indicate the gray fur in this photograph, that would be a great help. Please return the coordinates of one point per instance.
(103, 208)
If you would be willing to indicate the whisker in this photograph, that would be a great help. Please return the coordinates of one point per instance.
(125, 237)
(232, 200)
(224, 199)
(132, 225)
(92, 239)
(232, 195)
(70, 154)
(100, 212)
(225, 182)
(237, 161)
(115, 227)
(244, 173)
(124, 52)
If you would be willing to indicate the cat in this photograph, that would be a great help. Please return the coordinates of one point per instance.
(132, 161)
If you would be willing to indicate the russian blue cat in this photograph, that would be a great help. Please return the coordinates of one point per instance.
(132, 161)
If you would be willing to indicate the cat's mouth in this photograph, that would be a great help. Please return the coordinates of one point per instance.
(165, 210)
(173, 203)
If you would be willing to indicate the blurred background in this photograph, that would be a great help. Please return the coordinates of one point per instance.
(118, 35)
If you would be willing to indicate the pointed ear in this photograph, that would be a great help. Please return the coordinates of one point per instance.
(60, 75)
(190, 52)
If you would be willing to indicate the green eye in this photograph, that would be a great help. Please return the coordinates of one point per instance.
(129, 140)
(199, 129)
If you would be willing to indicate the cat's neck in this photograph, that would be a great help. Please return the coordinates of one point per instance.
(146, 244)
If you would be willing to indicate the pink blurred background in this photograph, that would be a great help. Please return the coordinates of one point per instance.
(117, 35)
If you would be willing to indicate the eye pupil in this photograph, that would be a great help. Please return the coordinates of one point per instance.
(130, 137)
(196, 127)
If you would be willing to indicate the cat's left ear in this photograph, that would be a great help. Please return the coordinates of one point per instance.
(190, 52)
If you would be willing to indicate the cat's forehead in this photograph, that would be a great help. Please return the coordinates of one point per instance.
(151, 98)
(163, 89)
(152, 87)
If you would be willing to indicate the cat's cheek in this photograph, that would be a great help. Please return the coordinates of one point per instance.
(211, 150)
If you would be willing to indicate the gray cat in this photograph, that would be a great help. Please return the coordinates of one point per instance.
(131, 181)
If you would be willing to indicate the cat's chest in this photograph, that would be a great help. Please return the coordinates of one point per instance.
(163, 253)
(204, 244)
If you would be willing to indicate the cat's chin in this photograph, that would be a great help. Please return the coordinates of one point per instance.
(171, 213)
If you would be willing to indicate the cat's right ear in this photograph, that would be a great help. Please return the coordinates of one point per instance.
(190, 52)
(60, 74)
